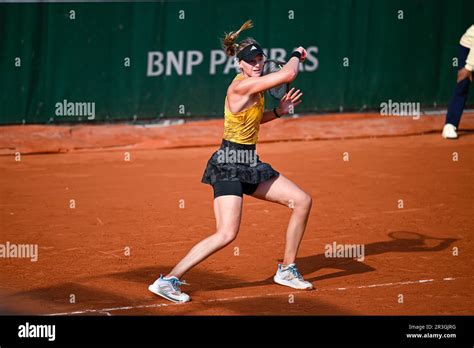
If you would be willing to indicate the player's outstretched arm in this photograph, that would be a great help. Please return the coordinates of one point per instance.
(287, 74)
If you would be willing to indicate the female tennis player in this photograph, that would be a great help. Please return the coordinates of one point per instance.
(232, 176)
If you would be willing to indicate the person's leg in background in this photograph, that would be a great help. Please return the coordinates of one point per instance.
(458, 100)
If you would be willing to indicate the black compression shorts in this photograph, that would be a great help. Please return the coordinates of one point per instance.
(234, 188)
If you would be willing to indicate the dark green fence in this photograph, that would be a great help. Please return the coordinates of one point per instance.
(120, 61)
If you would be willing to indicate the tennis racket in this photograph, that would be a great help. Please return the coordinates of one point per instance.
(272, 66)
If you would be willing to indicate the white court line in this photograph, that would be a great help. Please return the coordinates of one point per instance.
(403, 210)
(158, 305)
(109, 253)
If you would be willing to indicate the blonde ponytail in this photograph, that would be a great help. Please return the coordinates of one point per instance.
(228, 43)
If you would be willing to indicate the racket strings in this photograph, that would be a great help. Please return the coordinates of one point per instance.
(269, 67)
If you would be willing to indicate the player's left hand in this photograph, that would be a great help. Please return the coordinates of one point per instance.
(289, 101)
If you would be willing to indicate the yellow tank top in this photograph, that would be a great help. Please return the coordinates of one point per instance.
(243, 127)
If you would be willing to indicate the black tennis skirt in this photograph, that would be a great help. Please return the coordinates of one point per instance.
(237, 162)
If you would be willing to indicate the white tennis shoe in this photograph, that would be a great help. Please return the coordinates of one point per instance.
(449, 131)
(169, 288)
(290, 276)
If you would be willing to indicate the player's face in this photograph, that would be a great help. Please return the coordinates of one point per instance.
(254, 67)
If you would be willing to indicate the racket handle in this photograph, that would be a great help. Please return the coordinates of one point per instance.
(303, 55)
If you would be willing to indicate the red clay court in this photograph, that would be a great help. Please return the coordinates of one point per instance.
(155, 206)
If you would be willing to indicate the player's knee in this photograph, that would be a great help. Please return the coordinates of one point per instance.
(302, 202)
(305, 202)
(227, 234)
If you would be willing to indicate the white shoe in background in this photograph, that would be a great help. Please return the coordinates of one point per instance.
(449, 131)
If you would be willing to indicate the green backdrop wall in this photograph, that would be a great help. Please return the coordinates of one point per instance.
(161, 59)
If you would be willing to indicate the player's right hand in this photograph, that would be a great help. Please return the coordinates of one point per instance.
(303, 53)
